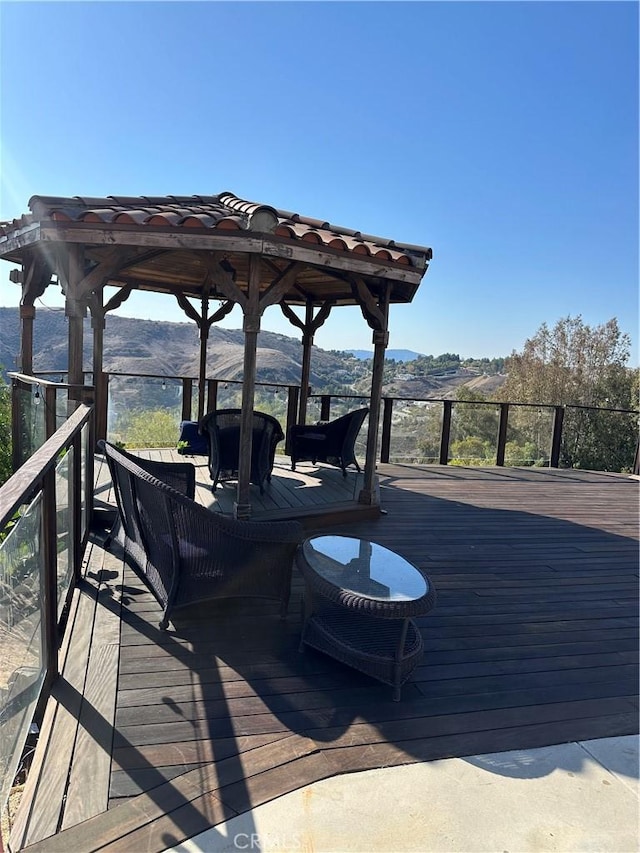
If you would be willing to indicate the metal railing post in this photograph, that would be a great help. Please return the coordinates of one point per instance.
(446, 431)
(385, 439)
(556, 440)
(502, 433)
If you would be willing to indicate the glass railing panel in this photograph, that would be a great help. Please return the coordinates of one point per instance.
(529, 435)
(599, 440)
(22, 660)
(229, 395)
(144, 412)
(62, 406)
(64, 540)
(474, 434)
(415, 432)
(30, 402)
(313, 410)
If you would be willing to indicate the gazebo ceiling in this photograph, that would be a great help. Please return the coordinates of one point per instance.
(169, 243)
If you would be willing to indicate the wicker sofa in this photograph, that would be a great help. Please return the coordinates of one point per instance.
(184, 552)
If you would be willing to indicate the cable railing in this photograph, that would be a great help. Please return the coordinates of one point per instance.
(419, 430)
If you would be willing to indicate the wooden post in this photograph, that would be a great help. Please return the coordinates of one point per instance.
(556, 440)
(101, 405)
(100, 381)
(27, 315)
(251, 328)
(380, 341)
(386, 429)
(49, 401)
(212, 395)
(309, 327)
(446, 432)
(502, 433)
(17, 420)
(307, 343)
(325, 407)
(292, 412)
(202, 370)
(75, 311)
(187, 392)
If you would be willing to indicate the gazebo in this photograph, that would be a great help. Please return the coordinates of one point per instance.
(203, 250)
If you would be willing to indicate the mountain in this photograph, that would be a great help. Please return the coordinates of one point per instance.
(173, 349)
(134, 346)
(391, 354)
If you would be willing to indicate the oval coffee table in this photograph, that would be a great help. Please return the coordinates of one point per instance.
(358, 606)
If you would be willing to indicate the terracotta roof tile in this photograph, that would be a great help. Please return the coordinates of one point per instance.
(224, 211)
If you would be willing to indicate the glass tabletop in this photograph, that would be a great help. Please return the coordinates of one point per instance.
(364, 567)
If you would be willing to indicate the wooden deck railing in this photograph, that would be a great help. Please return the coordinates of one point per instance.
(552, 432)
(45, 513)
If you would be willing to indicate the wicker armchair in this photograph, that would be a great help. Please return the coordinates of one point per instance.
(333, 442)
(223, 429)
(187, 554)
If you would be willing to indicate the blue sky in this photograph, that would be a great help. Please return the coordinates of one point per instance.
(504, 135)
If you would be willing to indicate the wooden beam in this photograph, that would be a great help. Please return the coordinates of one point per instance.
(36, 277)
(98, 275)
(291, 250)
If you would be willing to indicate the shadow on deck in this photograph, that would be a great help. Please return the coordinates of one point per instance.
(152, 737)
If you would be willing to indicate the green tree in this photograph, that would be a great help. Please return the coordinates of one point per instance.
(147, 428)
(571, 364)
(576, 365)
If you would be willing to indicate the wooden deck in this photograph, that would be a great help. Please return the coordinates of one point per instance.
(151, 738)
(314, 494)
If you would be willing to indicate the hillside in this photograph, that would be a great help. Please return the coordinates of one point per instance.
(172, 349)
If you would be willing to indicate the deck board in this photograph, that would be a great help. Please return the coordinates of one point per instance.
(533, 642)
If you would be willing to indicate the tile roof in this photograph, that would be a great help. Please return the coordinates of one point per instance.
(222, 212)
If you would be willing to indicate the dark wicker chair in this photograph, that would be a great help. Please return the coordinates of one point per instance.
(333, 442)
(184, 552)
(223, 429)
